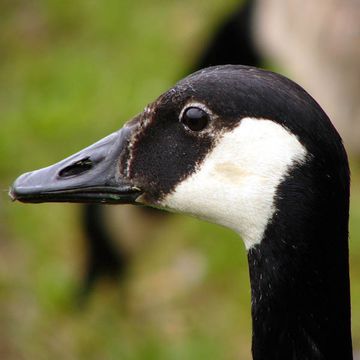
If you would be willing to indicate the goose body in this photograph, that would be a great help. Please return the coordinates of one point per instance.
(252, 151)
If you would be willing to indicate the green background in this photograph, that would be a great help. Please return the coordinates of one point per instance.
(71, 72)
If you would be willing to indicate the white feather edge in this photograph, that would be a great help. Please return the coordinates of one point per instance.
(235, 185)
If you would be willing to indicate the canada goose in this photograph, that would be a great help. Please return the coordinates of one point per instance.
(252, 151)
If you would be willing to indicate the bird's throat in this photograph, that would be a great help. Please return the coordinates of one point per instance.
(298, 313)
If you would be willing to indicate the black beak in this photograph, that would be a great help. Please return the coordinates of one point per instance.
(91, 175)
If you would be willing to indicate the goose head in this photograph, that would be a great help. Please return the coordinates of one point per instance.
(247, 149)
(217, 146)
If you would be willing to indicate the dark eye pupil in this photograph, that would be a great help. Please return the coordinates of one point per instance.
(195, 118)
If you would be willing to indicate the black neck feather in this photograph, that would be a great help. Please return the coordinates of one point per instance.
(299, 272)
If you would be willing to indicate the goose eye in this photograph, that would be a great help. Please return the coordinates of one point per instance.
(195, 118)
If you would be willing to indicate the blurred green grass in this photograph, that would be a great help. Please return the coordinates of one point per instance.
(70, 73)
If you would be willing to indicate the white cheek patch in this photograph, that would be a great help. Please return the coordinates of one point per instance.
(236, 183)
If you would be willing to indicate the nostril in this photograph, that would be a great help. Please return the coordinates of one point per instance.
(76, 168)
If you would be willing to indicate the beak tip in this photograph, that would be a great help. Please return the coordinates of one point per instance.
(14, 189)
(12, 194)
(15, 193)
(22, 187)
